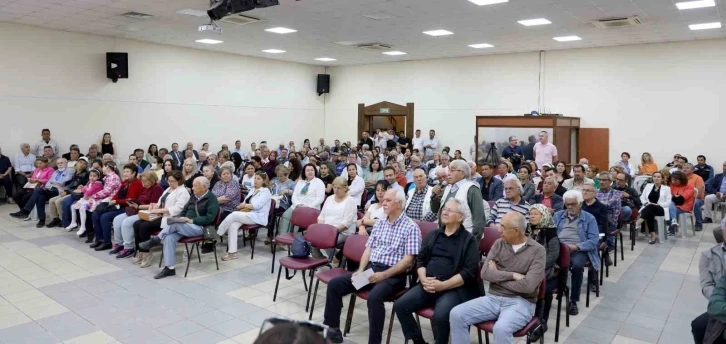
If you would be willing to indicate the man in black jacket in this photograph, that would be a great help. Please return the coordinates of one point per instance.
(630, 198)
(447, 268)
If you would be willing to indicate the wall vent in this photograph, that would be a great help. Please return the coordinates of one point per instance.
(374, 46)
(617, 22)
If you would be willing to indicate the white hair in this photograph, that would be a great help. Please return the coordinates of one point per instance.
(454, 201)
(463, 166)
(400, 196)
(202, 153)
(202, 180)
(573, 194)
(515, 181)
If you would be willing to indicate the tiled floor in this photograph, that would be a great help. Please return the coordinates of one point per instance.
(55, 289)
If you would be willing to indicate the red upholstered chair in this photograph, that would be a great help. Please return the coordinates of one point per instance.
(426, 228)
(562, 289)
(253, 229)
(360, 215)
(195, 241)
(491, 204)
(352, 251)
(491, 235)
(534, 324)
(319, 236)
(363, 295)
(633, 233)
(363, 199)
(302, 217)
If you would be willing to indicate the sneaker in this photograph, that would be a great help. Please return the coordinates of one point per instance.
(707, 220)
(148, 244)
(72, 226)
(104, 247)
(20, 214)
(81, 231)
(335, 336)
(116, 249)
(125, 254)
(54, 223)
(573, 309)
(230, 256)
(40, 224)
(170, 272)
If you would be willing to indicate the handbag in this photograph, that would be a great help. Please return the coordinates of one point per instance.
(678, 200)
(104, 207)
(300, 248)
(130, 211)
(209, 231)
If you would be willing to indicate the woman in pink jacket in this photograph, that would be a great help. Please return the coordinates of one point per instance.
(88, 202)
(39, 177)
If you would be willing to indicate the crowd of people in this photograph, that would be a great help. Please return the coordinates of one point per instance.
(383, 187)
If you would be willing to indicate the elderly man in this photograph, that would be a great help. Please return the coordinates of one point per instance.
(55, 204)
(696, 182)
(24, 165)
(715, 194)
(611, 198)
(591, 205)
(202, 160)
(514, 269)
(548, 197)
(461, 188)
(390, 251)
(212, 161)
(544, 151)
(475, 176)
(201, 210)
(445, 161)
(710, 270)
(106, 158)
(578, 230)
(45, 141)
(512, 201)
(6, 174)
(52, 188)
(447, 269)
(551, 173)
(93, 153)
(629, 198)
(418, 200)
(415, 165)
(578, 180)
(492, 188)
(176, 154)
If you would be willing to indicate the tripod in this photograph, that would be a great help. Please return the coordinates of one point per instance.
(492, 154)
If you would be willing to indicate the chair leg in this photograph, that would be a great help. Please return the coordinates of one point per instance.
(622, 253)
(587, 293)
(189, 258)
(559, 310)
(315, 294)
(305, 283)
(478, 332)
(567, 309)
(162, 258)
(486, 337)
(390, 327)
(199, 255)
(253, 238)
(615, 252)
(602, 259)
(274, 248)
(214, 249)
(310, 289)
(349, 317)
(279, 272)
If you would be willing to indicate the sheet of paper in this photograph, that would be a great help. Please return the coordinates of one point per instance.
(30, 185)
(361, 280)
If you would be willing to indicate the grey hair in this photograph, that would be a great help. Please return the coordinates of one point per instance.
(573, 194)
(107, 155)
(553, 180)
(400, 196)
(202, 153)
(227, 164)
(212, 155)
(24, 145)
(516, 182)
(455, 201)
(606, 175)
(202, 180)
(324, 156)
(518, 221)
(227, 168)
(365, 146)
(463, 166)
(688, 164)
(588, 182)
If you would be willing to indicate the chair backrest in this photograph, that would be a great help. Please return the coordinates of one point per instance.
(303, 217)
(426, 228)
(363, 198)
(218, 220)
(321, 236)
(354, 247)
(542, 289)
(360, 215)
(491, 235)
(695, 197)
(564, 260)
(491, 204)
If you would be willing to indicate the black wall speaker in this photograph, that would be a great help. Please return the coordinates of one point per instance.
(117, 66)
(323, 83)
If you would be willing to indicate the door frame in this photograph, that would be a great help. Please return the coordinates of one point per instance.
(386, 109)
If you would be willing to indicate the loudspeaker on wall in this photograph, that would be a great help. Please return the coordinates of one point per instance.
(117, 66)
(323, 83)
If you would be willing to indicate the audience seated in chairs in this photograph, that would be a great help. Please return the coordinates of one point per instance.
(38, 178)
(55, 204)
(544, 232)
(593, 206)
(715, 194)
(254, 209)
(201, 210)
(227, 191)
(170, 205)
(447, 269)
(390, 252)
(119, 191)
(24, 165)
(374, 209)
(548, 197)
(578, 230)
(309, 192)
(339, 211)
(656, 198)
(460, 187)
(683, 197)
(514, 268)
(87, 202)
(42, 192)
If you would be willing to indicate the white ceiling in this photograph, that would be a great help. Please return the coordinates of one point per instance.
(322, 22)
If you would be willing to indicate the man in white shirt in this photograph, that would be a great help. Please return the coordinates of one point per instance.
(24, 165)
(544, 151)
(445, 159)
(418, 141)
(45, 141)
(578, 180)
(238, 149)
(352, 159)
(389, 174)
(431, 144)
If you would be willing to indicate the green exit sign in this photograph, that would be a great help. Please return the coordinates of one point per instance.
(385, 110)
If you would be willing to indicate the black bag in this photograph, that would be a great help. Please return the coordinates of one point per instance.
(678, 200)
(300, 248)
(102, 208)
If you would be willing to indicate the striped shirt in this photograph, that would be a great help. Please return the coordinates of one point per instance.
(391, 241)
(611, 198)
(502, 206)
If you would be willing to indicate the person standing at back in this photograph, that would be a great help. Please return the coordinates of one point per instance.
(544, 151)
(460, 187)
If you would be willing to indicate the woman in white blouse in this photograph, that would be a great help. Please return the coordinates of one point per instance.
(656, 199)
(254, 210)
(309, 192)
(374, 209)
(248, 178)
(355, 182)
(339, 211)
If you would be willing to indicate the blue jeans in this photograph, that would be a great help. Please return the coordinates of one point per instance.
(66, 211)
(673, 211)
(511, 314)
(171, 235)
(698, 213)
(37, 200)
(102, 224)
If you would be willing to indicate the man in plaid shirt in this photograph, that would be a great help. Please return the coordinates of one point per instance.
(611, 198)
(390, 251)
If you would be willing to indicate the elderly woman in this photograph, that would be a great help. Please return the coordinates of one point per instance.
(523, 175)
(190, 171)
(170, 204)
(355, 183)
(227, 191)
(39, 177)
(544, 231)
(123, 233)
(282, 189)
(309, 192)
(116, 191)
(255, 209)
(339, 211)
(374, 209)
(656, 199)
(80, 178)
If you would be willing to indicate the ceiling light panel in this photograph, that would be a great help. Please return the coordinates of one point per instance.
(488, 2)
(273, 51)
(534, 22)
(481, 45)
(705, 26)
(208, 41)
(687, 5)
(437, 33)
(567, 38)
(281, 30)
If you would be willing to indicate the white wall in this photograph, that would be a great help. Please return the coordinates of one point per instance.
(57, 80)
(661, 98)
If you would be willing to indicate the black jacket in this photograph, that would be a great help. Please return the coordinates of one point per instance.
(79, 179)
(466, 262)
(634, 198)
(600, 212)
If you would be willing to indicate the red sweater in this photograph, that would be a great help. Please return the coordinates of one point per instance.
(134, 190)
(150, 195)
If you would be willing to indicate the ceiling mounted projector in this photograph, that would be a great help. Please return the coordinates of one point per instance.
(218, 9)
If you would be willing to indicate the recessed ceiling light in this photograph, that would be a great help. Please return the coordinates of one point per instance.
(488, 2)
(281, 30)
(208, 41)
(705, 26)
(481, 46)
(394, 53)
(378, 16)
(533, 22)
(437, 33)
(344, 43)
(567, 38)
(273, 51)
(324, 59)
(193, 12)
(687, 5)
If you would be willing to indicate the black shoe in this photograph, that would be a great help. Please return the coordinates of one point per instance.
(169, 272)
(707, 220)
(54, 223)
(335, 336)
(593, 286)
(652, 242)
(89, 238)
(608, 260)
(41, 224)
(96, 244)
(698, 229)
(537, 334)
(419, 341)
(148, 244)
(207, 247)
(104, 247)
(20, 214)
(573, 309)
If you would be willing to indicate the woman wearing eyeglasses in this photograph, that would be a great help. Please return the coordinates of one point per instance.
(339, 211)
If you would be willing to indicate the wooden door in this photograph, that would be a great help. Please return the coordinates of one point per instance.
(594, 144)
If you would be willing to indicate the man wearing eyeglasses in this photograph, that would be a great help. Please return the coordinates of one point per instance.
(629, 197)
(512, 202)
(574, 225)
(460, 187)
(613, 200)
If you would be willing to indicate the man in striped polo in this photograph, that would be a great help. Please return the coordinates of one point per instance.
(512, 201)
